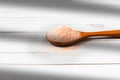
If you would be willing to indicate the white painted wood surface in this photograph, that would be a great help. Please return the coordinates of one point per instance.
(33, 48)
(23, 29)
(23, 47)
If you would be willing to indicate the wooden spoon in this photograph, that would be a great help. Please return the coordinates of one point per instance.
(64, 36)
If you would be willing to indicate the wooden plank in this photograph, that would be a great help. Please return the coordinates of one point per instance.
(53, 72)
(33, 48)
(36, 25)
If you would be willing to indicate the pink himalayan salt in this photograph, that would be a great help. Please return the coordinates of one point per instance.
(63, 34)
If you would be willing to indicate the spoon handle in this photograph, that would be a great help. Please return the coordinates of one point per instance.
(113, 33)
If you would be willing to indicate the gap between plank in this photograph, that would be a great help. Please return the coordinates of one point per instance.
(64, 64)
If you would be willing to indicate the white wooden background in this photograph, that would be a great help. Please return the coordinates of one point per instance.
(24, 49)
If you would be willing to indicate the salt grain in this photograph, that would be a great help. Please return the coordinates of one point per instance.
(63, 34)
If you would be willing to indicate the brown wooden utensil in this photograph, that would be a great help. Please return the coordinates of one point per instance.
(82, 35)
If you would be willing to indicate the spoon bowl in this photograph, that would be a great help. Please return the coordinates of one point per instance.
(63, 44)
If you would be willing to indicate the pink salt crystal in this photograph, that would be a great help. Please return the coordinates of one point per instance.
(63, 34)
